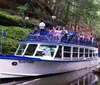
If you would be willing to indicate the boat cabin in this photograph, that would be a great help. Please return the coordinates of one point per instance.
(56, 51)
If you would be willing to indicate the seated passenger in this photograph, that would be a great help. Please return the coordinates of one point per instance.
(47, 31)
(81, 38)
(53, 31)
(75, 39)
(36, 32)
(64, 31)
(71, 35)
(64, 38)
(58, 31)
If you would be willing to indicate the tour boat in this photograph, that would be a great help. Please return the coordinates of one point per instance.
(44, 55)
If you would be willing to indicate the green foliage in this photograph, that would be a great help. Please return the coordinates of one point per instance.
(7, 16)
(10, 20)
(7, 19)
(22, 9)
(13, 20)
(76, 10)
(79, 11)
(13, 34)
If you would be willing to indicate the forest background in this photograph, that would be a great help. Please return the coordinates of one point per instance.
(18, 17)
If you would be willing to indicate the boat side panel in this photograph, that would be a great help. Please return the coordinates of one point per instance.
(35, 68)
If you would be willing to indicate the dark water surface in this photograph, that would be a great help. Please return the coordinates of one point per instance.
(81, 77)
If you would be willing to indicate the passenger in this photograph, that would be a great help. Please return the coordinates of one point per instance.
(71, 34)
(42, 27)
(90, 36)
(92, 41)
(64, 38)
(36, 32)
(57, 35)
(81, 38)
(86, 41)
(75, 39)
(64, 31)
(47, 32)
(53, 31)
(58, 31)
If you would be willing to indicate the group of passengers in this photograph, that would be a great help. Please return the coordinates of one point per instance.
(63, 34)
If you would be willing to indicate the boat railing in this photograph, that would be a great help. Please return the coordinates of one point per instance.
(62, 39)
(44, 38)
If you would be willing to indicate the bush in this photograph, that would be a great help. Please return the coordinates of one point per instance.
(13, 34)
(12, 20)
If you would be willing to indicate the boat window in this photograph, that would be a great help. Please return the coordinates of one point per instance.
(90, 53)
(86, 52)
(81, 52)
(94, 53)
(31, 49)
(67, 51)
(59, 52)
(67, 48)
(75, 52)
(67, 54)
(75, 49)
(45, 50)
(21, 49)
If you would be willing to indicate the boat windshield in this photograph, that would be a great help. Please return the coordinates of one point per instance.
(21, 48)
(31, 49)
(45, 50)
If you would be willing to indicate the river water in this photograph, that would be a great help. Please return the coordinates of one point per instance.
(81, 77)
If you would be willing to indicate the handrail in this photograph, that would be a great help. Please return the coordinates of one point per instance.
(52, 38)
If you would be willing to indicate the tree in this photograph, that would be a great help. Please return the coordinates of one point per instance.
(22, 9)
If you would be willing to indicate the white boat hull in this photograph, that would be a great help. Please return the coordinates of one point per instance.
(37, 68)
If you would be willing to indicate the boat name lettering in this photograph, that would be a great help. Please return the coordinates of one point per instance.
(26, 61)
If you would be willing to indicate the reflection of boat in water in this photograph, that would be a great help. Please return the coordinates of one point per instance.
(96, 71)
(81, 77)
(44, 55)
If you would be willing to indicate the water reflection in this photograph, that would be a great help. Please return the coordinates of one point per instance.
(81, 77)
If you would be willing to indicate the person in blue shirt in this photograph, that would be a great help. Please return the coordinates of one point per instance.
(36, 31)
(71, 34)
